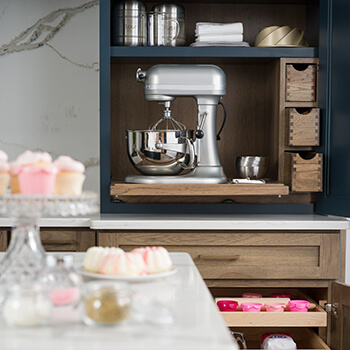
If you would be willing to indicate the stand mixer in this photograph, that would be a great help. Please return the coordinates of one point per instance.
(160, 155)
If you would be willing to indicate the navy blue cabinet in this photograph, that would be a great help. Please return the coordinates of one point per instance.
(324, 23)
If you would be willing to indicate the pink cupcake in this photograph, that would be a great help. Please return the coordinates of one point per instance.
(36, 173)
(70, 178)
(4, 172)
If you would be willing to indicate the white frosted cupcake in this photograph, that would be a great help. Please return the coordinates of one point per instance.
(70, 178)
(4, 172)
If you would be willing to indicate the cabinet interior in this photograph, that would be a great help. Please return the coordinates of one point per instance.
(251, 102)
(254, 123)
(254, 14)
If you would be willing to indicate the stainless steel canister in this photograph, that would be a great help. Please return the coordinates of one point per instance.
(177, 13)
(128, 23)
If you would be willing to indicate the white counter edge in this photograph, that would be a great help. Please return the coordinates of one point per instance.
(194, 222)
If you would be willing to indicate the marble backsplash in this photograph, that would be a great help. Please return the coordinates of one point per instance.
(49, 80)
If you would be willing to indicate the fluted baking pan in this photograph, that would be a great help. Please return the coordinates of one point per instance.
(281, 36)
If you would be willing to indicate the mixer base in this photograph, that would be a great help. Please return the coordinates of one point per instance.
(200, 175)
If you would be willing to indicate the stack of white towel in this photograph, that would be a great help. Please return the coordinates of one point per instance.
(219, 34)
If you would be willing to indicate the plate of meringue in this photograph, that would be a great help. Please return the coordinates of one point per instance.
(140, 265)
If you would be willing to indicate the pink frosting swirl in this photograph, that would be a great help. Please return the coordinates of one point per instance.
(29, 157)
(66, 163)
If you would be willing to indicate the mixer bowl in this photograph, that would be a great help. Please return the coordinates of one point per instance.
(252, 167)
(148, 158)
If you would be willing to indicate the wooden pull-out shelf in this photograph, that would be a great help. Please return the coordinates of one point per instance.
(121, 189)
(315, 317)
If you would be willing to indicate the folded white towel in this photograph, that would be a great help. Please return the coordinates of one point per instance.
(219, 28)
(232, 43)
(220, 37)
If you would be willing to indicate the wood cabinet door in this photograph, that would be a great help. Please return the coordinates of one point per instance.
(340, 323)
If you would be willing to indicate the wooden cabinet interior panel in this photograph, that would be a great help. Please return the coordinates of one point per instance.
(3, 240)
(254, 15)
(67, 240)
(248, 130)
(305, 338)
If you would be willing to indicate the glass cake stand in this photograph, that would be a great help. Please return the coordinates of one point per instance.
(25, 256)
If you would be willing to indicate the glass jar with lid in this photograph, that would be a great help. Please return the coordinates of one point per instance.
(63, 282)
(106, 303)
(27, 305)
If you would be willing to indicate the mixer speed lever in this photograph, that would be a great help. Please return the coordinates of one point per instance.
(199, 132)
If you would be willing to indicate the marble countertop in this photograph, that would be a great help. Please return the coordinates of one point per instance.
(196, 222)
(197, 324)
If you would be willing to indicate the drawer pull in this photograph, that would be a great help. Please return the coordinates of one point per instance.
(51, 242)
(221, 257)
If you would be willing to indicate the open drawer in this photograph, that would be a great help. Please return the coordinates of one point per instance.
(305, 338)
(315, 317)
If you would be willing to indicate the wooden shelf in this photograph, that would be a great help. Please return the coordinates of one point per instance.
(275, 319)
(187, 51)
(121, 189)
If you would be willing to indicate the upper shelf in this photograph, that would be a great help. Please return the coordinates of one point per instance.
(186, 51)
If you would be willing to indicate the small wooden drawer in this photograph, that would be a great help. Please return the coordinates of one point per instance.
(304, 171)
(303, 126)
(67, 240)
(301, 82)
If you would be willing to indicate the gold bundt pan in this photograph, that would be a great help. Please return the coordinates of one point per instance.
(281, 36)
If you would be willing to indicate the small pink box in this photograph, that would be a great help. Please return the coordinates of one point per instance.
(298, 305)
(227, 305)
(251, 295)
(275, 307)
(251, 307)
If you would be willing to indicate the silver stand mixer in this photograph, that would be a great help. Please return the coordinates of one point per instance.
(162, 154)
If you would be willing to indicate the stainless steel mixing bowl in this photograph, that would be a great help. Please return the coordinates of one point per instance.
(160, 152)
(252, 167)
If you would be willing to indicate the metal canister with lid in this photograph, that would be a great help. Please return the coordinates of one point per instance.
(128, 23)
(175, 12)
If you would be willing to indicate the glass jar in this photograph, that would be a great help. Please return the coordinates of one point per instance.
(27, 305)
(63, 282)
(106, 303)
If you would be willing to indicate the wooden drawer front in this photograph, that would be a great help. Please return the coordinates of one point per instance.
(245, 255)
(3, 240)
(66, 240)
(301, 82)
(305, 174)
(303, 127)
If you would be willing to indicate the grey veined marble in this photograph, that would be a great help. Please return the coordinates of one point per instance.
(49, 68)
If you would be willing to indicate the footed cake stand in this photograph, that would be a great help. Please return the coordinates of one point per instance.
(25, 256)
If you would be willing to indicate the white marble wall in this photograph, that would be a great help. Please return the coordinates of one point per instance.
(49, 76)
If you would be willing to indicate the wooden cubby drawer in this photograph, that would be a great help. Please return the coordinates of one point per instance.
(303, 126)
(67, 240)
(306, 339)
(301, 82)
(244, 256)
(304, 171)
